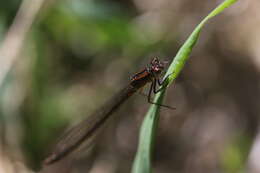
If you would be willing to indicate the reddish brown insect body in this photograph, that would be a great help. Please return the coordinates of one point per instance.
(88, 128)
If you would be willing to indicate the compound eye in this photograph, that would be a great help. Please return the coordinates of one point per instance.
(155, 61)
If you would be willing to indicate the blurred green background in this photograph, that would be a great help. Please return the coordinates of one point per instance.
(78, 53)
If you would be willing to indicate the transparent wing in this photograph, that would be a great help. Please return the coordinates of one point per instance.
(87, 130)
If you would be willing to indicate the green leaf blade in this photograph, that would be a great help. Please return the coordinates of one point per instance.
(142, 162)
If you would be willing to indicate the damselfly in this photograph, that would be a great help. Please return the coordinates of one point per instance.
(88, 128)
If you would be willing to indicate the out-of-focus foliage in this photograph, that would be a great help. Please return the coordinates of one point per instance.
(80, 52)
(235, 154)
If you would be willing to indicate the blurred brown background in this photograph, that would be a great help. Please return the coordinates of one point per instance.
(65, 58)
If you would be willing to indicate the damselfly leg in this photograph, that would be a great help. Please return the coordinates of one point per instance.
(154, 90)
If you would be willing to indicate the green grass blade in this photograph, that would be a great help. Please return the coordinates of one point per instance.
(142, 162)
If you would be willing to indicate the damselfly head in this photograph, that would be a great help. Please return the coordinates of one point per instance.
(156, 66)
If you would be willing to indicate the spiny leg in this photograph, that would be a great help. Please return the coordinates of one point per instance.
(153, 88)
(161, 82)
